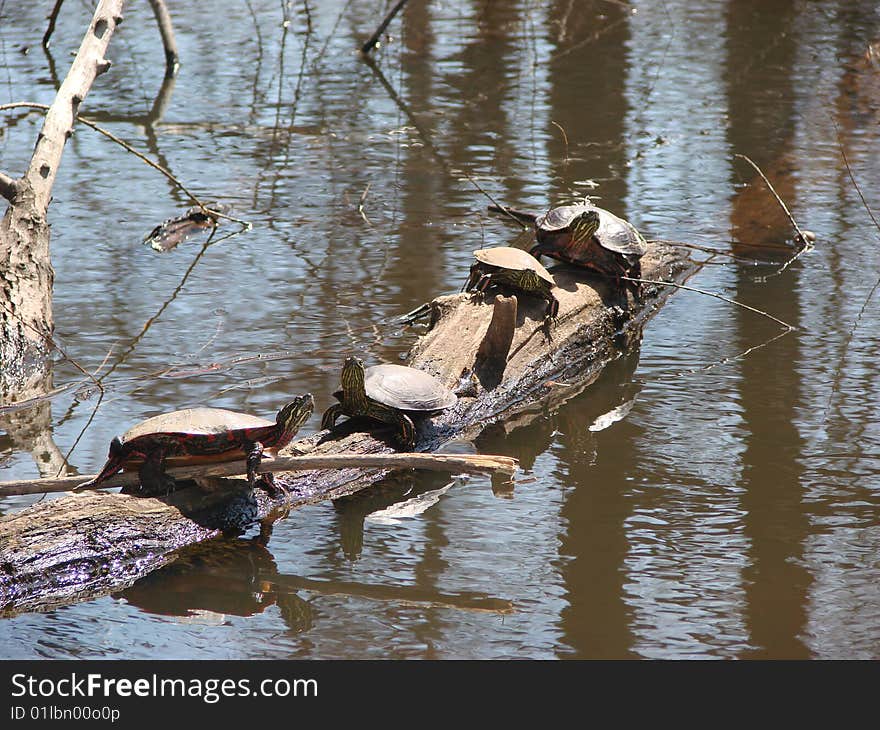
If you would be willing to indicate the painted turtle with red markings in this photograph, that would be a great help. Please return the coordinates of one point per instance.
(591, 237)
(201, 436)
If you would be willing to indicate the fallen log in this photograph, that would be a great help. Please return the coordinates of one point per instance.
(92, 544)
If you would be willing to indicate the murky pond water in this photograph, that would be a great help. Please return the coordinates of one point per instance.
(732, 511)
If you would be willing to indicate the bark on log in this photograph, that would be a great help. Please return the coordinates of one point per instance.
(105, 543)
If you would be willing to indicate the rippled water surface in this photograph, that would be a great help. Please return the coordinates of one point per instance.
(730, 511)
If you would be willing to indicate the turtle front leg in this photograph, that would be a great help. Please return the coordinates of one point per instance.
(255, 479)
(484, 282)
(637, 287)
(407, 432)
(473, 278)
(328, 420)
(154, 481)
(481, 283)
(254, 457)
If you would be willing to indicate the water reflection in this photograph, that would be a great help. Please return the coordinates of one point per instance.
(727, 511)
(775, 583)
(351, 511)
(208, 581)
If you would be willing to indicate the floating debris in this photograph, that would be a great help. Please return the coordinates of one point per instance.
(170, 233)
(613, 416)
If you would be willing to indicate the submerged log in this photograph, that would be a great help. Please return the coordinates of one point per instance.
(85, 545)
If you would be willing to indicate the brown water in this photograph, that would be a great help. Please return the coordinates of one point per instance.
(731, 512)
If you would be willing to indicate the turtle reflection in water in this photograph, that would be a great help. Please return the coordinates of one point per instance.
(514, 268)
(201, 436)
(591, 237)
(388, 393)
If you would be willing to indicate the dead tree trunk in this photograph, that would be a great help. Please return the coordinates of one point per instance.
(48, 553)
(26, 274)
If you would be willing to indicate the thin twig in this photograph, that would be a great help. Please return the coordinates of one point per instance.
(757, 169)
(374, 39)
(852, 178)
(37, 399)
(712, 365)
(424, 136)
(122, 143)
(94, 412)
(564, 138)
(710, 294)
(318, 58)
(589, 39)
(308, 15)
(134, 342)
(458, 463)
(49, 341)
(804, 238)
(709, 249)
(53, 16)
(166, 31)
(361, 205)
(53, 343)
(839, 369)
(9, 186)
(521, 216)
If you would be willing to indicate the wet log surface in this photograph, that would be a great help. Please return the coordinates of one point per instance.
(86, 545)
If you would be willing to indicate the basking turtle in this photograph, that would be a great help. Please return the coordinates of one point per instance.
(589, 236)
(199, 436)
(515, 268)
(388, 393)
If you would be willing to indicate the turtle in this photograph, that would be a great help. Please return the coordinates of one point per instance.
(388, 393)
(515, 268)
(592, 237)
(201, 435)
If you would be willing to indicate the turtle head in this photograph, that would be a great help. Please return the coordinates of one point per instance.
(296, 413)
(115, 458)
(115, 447)
(353, 373)
(585, 225)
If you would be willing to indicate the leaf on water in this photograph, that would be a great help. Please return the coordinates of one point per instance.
(409, 508)
(173, 231)
(613, 416)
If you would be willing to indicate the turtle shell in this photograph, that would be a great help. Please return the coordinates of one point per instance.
(408, 389)
(508, 257)
(557, 219)
(195, 422)
(614, 233)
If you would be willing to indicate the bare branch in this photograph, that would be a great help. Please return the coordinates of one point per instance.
(59, 121)
(374, 39)
(786, 325)
(9, 187)
(53, 16)
(804, 239)
(166, 30)
(459, 463)
(128, 148)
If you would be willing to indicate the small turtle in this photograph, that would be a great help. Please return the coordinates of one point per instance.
(513, 267)
(588, 236)
(201, 436)
(388, 393)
